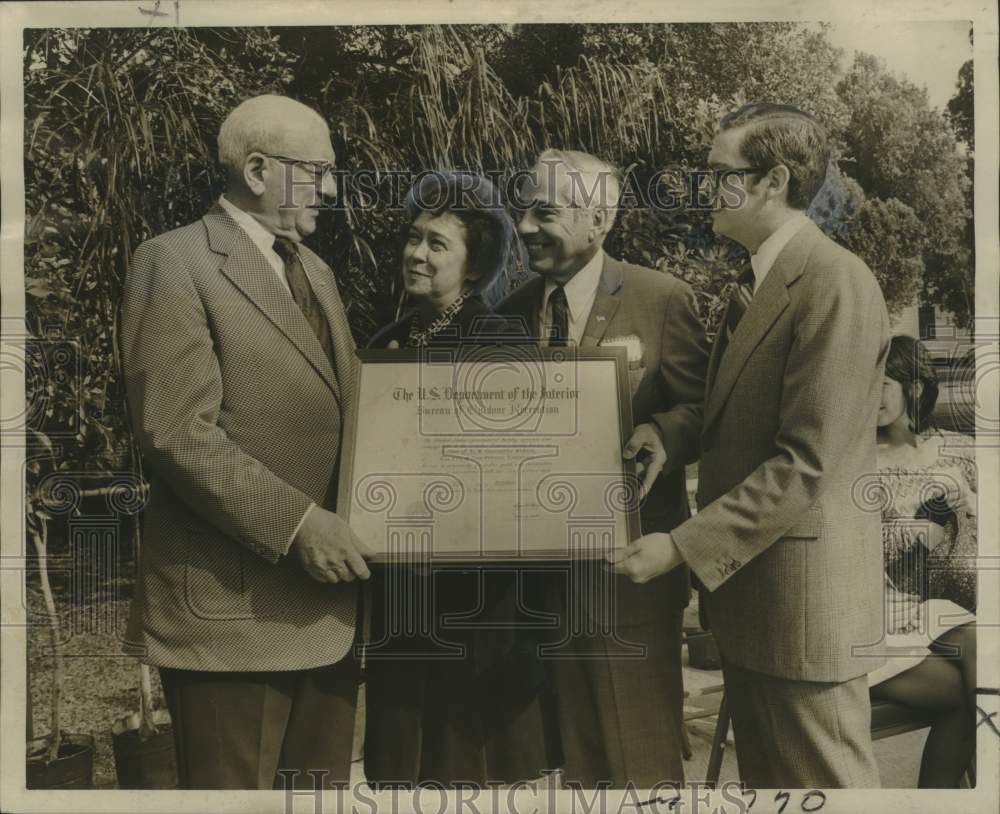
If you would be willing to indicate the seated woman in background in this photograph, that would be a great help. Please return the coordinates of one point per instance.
(451, 704)
(928, 483)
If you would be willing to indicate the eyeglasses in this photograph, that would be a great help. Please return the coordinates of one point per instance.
(319, 169)
(711, 180)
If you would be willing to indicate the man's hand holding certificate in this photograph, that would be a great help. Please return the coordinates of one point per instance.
(646, 447)
(495, 453)
(646, 558)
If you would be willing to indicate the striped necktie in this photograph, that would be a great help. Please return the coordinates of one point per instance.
(302, 293)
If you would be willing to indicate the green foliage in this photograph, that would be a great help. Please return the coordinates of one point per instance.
(898, 147)
(120, 129)
(780, 62)
(961, 107)
(120, 145)
(119, 132)
(958, 295)
(689, 251)
(888, 236)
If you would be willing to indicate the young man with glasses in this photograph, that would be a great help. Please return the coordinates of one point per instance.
(789, 560)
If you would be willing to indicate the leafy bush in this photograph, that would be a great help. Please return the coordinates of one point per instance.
(120, 126)
(120, 134)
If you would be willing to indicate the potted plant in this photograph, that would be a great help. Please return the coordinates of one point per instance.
(143, 744)
(58, 760)
(143, 741)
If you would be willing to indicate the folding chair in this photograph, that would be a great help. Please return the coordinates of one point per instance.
(888, 720)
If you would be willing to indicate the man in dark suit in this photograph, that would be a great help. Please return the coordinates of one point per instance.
(617, 690)
(240, 370)
(791, 562)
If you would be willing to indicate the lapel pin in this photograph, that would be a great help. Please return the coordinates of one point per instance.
(601, 318)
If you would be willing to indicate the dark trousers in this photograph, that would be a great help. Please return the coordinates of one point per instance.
(439, 721)
(237, 730)
(801, 734)
(620, 714)
(452, 705)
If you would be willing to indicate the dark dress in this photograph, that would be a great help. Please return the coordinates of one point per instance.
(460, 705)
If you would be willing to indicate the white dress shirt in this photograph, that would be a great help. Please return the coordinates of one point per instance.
(264, 241)
(261, 238)
(769, 250)
(581, 290)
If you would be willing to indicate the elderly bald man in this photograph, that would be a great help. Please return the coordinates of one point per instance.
(240, 369)
(617, 681)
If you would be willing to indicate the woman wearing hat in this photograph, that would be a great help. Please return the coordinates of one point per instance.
(455, 247)
(450, 705)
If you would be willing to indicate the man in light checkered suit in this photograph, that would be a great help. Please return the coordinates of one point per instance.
(240, 370)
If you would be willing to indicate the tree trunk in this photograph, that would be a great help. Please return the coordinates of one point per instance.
(40, 540)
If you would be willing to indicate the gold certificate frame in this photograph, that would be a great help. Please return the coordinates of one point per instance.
(490, 453)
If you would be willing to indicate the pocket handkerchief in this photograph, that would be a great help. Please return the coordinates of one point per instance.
(631, 343)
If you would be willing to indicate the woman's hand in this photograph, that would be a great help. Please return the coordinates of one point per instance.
(902, 610)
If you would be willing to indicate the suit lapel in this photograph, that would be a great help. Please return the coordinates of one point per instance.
(765, 308)
(606, 302)
(250, 272)
(717, 349)
(526, 302)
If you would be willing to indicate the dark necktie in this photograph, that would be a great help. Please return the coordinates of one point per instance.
(559, 327)
(739, 301)
(302, 292)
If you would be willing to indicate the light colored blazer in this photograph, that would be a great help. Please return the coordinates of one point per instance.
(666, 385)
(792, 562)
(238, 414)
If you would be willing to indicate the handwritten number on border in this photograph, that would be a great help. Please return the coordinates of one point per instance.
(813, 800)
(816, 795)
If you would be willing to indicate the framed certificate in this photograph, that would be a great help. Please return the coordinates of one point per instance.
(490, 453)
